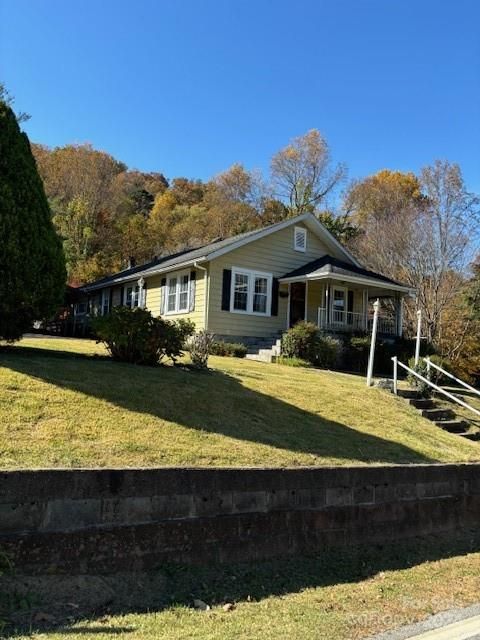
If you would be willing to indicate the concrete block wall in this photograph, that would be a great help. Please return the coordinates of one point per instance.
(136, 519)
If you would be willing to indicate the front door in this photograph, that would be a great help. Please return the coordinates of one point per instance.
(297, 302)
(339, 301)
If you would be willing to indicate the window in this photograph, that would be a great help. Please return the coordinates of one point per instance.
(251, 292)
(172, 295)
(240, 292)
(178, 293)
(260, 295)
(300, 239)
(105, 301)
(132, 296)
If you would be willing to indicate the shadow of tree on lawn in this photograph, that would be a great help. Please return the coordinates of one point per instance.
(212, 401)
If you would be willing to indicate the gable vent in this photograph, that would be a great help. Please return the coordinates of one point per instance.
(300, 239)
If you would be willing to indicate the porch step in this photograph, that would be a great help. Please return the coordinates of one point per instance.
(410, 394)
(437, 415)
(475, 436)
(421, 403)
(452, 426)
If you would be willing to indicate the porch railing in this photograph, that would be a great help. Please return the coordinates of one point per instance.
(352, 321)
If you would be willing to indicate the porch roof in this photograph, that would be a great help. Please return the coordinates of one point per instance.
(329, 267)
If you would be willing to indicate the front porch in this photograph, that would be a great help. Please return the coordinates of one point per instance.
(339, 298)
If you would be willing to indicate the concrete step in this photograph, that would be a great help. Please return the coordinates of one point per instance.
(437, 415)
(452, 426)
(258, 357)
(410, 394)
(422, 403)
(475, 436)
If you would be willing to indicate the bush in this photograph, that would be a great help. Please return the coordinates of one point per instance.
(435, 376)
(305, 342)
(200, 345)
(134, 335)
(292, 362)
(229, 349)
(301, 341)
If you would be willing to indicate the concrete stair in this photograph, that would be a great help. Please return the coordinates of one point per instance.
(444, 418)
(265, 349)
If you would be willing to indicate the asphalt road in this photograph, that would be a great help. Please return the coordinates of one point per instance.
(456, 624)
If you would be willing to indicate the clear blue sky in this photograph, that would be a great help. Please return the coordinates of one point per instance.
(188, 87)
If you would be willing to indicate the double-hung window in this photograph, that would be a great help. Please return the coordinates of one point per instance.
(132, 296)
(251, 292)
(178, 293)
(105, 301)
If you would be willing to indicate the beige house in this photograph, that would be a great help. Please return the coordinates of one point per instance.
(255, 285)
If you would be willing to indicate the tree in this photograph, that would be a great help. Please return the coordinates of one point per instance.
(385, 209)
(302, 173)
(418, 230)
(9, 100)
(32, 265)
(340, 226)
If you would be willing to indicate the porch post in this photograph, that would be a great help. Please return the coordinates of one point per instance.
(365, 309)
(288, 306)
(306, 302)
(399, 315)
(327, 303)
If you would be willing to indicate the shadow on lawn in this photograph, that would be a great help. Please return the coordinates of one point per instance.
(173, 586)
(208, 401)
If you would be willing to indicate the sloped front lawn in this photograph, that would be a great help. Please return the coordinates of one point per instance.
(64, 404)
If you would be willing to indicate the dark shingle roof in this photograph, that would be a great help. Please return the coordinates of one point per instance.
(328, 264)
(171, 260)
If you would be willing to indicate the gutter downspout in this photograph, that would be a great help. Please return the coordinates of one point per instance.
(207, 292)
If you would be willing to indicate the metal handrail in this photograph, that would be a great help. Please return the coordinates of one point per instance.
(450, 375)
(397, 362)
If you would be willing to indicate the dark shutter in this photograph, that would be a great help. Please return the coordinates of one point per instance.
(350, 301)
(349, 307)
(274, 309)
(226, 286)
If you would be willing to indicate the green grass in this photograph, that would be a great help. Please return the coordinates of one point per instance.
(64, 404)
(342, 595)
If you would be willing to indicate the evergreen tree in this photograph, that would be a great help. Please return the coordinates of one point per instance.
(32, 265)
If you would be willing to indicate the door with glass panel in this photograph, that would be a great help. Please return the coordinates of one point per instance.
(339, 305)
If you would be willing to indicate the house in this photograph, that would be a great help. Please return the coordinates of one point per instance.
(253, 286)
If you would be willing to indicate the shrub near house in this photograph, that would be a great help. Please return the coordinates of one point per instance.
(135, 336)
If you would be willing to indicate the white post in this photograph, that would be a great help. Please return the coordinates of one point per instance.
(141, 300)
(419, 334)
(376, 306)
(395, 374)
(427, 360)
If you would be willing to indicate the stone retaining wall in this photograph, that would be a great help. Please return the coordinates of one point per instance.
(112, 520)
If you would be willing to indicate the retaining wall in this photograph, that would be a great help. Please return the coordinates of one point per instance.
(111, 520)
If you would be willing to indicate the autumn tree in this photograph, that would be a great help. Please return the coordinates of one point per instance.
(303, 174)
(32, 265)
(417, 230)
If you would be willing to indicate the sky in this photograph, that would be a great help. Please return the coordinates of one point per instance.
(189, 87)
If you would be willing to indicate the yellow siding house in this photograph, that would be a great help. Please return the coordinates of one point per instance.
(255, 285)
